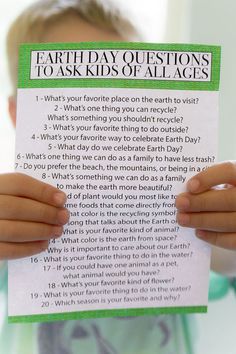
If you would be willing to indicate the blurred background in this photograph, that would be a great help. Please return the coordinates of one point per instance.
(181, 21)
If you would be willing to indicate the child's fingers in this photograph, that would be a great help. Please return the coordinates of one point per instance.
(215, 175)
(20, 250)
(213, 200)
(22, 185)
(15, 208)
(222, 222)
(219, 239)
(20, 231)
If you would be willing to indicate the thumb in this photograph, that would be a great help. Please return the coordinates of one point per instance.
(222, 173)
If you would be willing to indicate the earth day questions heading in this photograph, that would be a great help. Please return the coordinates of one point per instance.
(121, 64)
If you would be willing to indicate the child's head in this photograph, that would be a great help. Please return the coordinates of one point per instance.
(66, 21)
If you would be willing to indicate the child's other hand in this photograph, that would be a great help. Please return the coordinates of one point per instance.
(209, 207)
(31, 213)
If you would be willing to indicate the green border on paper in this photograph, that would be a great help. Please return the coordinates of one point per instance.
(106, 313)
(24, 80)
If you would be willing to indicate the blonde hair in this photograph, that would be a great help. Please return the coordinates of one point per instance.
(32, 23)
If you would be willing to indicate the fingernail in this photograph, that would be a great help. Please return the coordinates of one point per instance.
(60, 198)
(44, 245)
(182, 219)
(57, 231)
(182, 203)
(193, 185)
(200, 233)
(63, 216)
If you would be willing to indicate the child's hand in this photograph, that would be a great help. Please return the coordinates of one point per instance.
(208, 209)
(31, 213)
